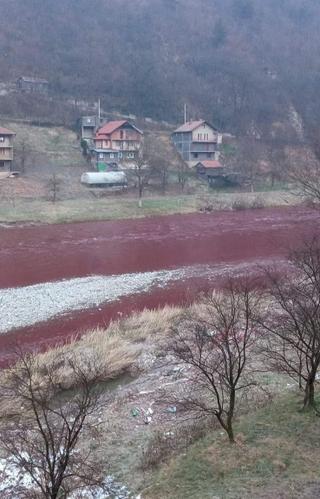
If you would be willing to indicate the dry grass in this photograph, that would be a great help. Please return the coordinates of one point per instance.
(114, 350)
(58, 145)
(142, 325)
(116, 208)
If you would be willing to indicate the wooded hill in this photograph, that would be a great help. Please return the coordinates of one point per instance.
(238, 63)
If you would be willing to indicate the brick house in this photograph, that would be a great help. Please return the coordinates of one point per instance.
(117, 141)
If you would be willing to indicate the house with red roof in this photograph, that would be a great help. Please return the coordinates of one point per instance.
(117, 141)
(197, 141)
(6, 149)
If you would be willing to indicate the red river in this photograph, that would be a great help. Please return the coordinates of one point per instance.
(46, 253)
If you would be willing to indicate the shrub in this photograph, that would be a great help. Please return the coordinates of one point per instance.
(163, 445)
(239, 204)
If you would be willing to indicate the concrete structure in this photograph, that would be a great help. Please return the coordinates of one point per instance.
(33, 85)
(117, 141)
(89, 126)
(6, 149)
(196, 141)
(104, 179)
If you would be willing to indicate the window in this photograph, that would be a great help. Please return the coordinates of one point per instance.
(195, 154)
(131, 155)
(101, 155)
(2, 138)
(111, 155)
(121, 134)
(199, 136)
(120, 155)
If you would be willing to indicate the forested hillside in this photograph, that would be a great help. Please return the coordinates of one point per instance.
(239, 63)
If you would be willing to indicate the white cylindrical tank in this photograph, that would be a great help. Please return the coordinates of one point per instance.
(104, 178)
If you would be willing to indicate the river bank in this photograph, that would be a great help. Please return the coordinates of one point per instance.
(15, 210)
(57, 281)
(159, 451)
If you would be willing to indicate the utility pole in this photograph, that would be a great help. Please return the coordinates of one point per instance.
(185, 113)
(99, 111)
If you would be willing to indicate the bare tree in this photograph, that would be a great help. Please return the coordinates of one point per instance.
(292, 322)
(44, 439)
(277, 159)
(216, 342)
(306, 176)
(183, 171)
(54, 187)
(248, 161)
(142, 171)
(23, 154)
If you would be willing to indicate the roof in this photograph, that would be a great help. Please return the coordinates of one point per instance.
(191, 125)
(5, 131)
(31, 79)
(111, 126)
(210, 163)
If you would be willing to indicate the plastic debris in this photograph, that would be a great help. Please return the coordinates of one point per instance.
(172, 409)
(135, 412)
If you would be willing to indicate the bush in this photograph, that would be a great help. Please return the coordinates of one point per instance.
(258, 203)
(239, 204)
(163, 445)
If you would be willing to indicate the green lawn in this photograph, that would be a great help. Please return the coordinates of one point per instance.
(277, 456)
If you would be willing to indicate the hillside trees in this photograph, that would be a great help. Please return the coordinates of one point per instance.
(162, 54)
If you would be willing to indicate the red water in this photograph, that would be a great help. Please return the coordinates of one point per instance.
(34, 254)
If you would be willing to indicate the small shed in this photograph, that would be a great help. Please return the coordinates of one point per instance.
(211, 170)
(33, 85)
(104, 179)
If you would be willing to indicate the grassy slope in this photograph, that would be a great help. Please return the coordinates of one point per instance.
(278, 457)
(58, 145)
(118, 207)
(24, 199)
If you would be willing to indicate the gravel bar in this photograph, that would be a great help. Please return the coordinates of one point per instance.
(26, 306)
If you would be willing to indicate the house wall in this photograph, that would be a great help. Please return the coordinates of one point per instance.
(6, 153)
(202, 156)
(31, 87)
(123, 145)
(88, 132)
(111, 156)
(182, 142)
(6, 140)
(205, 133)
(194, 150)
(126, 134)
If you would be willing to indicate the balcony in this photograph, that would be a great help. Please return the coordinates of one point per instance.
(6, 154)
(203, 147)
